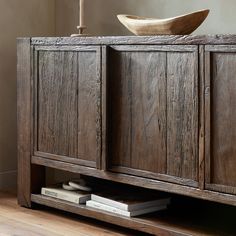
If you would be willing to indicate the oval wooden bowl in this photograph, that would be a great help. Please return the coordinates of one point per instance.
(179, 25)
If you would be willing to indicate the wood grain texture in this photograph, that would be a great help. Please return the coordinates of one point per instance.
(223, 120)
(24, 120)
(138, 99)
(89, 107)
(201, 117)
(148, 111)
(57, 103)
(105, 107)
(120, 108)
(218, 39)
(182, 115)
(69, 87)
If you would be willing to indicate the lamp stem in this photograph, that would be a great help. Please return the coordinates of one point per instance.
(82, 18)
(81, 26)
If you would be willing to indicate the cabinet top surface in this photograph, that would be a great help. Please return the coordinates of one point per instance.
(167, 39)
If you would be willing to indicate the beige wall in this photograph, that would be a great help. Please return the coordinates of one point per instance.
(101, 14)
(17, 18)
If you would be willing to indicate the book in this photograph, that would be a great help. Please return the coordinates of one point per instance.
(77, 197)
(104, 207)
(129, 201)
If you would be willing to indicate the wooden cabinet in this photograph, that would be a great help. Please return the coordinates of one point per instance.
(155, 112)
(67, 104)
(221, 118)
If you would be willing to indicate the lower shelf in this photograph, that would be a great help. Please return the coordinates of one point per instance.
(168, 223)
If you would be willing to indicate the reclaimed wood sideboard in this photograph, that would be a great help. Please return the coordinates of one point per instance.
(155, 112)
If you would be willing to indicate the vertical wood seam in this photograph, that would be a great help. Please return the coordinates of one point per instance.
(166, 117)
(207, 96)
(201, 118)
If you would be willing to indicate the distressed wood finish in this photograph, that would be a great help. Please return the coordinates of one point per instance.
(145, 40)
(30, 177)
(57, 103)
(201, 117)
(182, 115)
(138, 109)
(221, 116)
(23, 120)
(89, 107)
(68, 93)
(154, 110)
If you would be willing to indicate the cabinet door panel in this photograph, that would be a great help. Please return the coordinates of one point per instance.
(154, 112)
(68, 105)
(221, 117)
(182, 118)
(138, 99)
(57, 103)
(89, 122)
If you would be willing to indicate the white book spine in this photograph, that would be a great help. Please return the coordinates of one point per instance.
(121, 206)
(126, 207)
(100, 206)
(104, 207)
(61, 196)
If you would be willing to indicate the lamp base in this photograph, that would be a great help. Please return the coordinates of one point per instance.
(80, 35)
(81, 29)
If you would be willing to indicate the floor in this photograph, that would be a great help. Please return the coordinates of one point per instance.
(18, 221)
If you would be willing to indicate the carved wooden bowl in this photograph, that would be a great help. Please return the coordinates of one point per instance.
(179, 25)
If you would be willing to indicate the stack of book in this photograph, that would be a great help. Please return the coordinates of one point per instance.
(76, 191)
(78, 197)
(127, 204)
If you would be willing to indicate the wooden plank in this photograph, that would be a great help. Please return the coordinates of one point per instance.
(220, 48)
(89, 106)
(74, 48)
(223, 119)
(154, 48)
(201, 117)
(148, 111)
(57, 103)
(120, 107)
(138, 181)
(132, 40)
(66, 159)
(138, 98)
(221, 188)
(207, 93)
(182, 115)
(154, 175)
(104, 105)
(24, 120)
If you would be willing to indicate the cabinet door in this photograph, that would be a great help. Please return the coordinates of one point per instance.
(220, 111)
(154, 112)
(67, 104)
